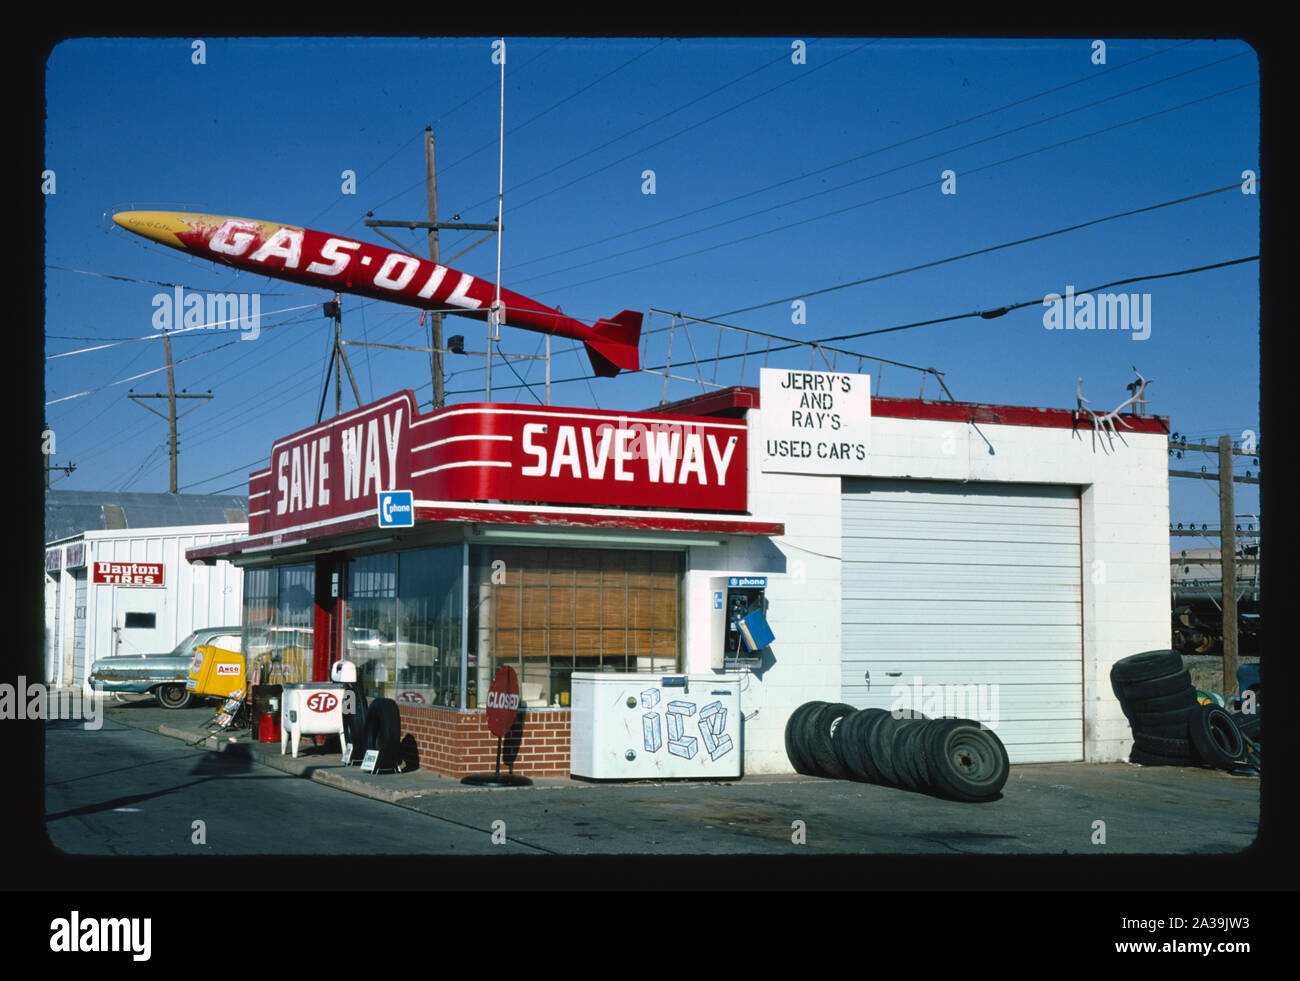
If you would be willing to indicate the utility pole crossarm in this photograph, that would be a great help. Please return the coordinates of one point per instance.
(171, 395)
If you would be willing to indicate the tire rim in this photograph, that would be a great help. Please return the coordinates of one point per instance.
(972, 759)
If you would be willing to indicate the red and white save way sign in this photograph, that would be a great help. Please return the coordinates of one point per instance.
(503, 701)
(128, 573)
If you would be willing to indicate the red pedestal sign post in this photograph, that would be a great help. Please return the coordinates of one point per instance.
(502, 708)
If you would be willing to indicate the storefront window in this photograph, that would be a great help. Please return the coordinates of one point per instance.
(371, 635)
(551, 611)
(279, 610)
(429, 645)
(404, 624)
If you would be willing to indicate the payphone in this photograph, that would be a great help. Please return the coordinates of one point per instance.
(740, 630)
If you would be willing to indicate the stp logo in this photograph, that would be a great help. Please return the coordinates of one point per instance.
(322, 701)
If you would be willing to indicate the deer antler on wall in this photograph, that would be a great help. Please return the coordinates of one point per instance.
(1105, 422)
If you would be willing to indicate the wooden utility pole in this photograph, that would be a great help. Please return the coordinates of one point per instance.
(1228, 566)
(431, 189)
(171, 396)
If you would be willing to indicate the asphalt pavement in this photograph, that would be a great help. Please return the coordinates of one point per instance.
(1111, 808)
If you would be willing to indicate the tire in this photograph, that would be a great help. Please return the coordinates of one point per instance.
(966, 762)
(1217, 738)
(355, 723)
(1175, 684)
(854, 743)
(384, 732)
(1175, 721)
(908, 755)
(880, 745)
(820, 729)
(1247, 724)
(795, 746)
(1152, 759)
(173, 696)
(1184, 698)
(1177, 749)
(1146, 666)
(852, 747)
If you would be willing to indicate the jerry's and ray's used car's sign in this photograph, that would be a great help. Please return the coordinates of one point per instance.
(815, 422)
(493, 452)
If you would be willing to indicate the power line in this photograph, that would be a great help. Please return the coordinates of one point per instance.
(529, 121)
(681, 132)
(155, 282)
(1000, 311)
(880, 173)
(983, 251)
(842, 163)
(984, 314)
(927, 185)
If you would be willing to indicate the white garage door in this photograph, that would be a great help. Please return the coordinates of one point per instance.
(964, 599)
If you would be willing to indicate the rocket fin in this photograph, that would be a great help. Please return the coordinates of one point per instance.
(613, 348)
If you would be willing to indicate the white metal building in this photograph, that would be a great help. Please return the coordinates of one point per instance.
(146, 609)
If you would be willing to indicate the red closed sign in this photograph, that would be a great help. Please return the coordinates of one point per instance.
(322, 701)
(503, 701)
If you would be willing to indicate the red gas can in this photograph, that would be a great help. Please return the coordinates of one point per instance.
(268, 727)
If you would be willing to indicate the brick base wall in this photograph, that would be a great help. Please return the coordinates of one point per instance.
(458, 742)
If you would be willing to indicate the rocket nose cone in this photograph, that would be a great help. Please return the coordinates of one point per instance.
(160, 226)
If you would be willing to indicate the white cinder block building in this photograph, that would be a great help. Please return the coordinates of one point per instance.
(978, 560)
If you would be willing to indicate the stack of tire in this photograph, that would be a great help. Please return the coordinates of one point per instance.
(957, 759)
(1170, 727)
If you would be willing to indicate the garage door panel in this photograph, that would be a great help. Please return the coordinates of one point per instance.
(874, 575)
(957, 528)
(957, 591)
(1048, 678)
(975, 590)
(964, 554)
(863, 641)
(1007, 613)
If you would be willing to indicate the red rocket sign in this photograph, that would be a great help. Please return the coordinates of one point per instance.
(334, 262)
(508, 453)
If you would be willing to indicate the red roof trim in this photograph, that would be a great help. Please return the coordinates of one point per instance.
(742, 397)
(1006, 415)
(616, 520)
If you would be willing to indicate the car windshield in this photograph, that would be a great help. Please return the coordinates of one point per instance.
(188, 645)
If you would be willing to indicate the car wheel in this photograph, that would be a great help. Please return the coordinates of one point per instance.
(966, 762)
(173, 696)
(1216, 737)
(1175, 684)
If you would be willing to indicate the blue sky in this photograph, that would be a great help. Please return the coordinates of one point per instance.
(772, 180)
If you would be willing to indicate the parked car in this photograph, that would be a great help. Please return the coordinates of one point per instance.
(163, 675)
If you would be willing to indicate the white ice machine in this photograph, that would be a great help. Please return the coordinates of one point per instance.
(654, 726)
